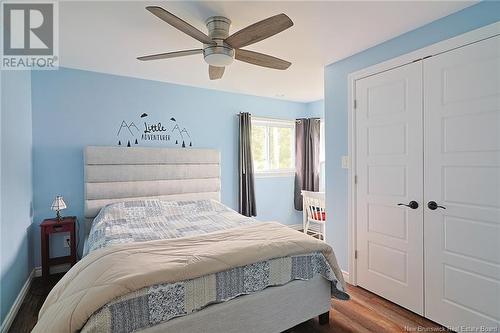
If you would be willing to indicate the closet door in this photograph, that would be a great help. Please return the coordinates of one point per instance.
(462, 174)
(389, 174)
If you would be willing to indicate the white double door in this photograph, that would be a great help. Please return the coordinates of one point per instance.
(428, 136)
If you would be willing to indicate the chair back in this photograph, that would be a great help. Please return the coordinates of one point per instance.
(314, 205)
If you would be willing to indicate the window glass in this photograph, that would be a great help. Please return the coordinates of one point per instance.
(259, 147)
(273, 145)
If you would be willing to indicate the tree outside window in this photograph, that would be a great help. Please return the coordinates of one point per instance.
(273, 146)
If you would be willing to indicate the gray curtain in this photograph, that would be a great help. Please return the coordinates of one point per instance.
(306, 158)
(247, 187)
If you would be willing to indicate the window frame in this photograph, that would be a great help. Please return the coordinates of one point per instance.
(280, 123)
(322, 156)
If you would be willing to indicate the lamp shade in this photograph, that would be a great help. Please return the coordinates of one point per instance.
(58, 203)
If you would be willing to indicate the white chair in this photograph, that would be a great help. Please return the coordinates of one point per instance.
(314, 210)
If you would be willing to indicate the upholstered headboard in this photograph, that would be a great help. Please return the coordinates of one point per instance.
(114, 174)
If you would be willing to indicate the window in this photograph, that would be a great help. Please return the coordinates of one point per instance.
(322, 156)
(273, 146)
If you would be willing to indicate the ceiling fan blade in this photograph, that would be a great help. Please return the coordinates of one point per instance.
(259, 31)
(260, 59)
(215, 72)
(180, 24)
(170, 55)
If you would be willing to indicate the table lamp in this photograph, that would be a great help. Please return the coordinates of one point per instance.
(58, 205)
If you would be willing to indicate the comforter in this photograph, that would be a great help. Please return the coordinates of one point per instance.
(135, 284)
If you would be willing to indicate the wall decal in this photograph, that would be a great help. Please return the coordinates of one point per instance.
(153, 131)
(150, 131)
(129, 127)
(181, 132)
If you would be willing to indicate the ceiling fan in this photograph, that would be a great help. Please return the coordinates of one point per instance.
(219, 49)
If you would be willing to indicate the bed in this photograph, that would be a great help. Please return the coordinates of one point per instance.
(164, 255)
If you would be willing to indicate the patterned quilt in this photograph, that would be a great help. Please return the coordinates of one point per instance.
(154, 219)
(146, 220)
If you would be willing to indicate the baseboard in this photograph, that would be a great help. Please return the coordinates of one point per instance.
(11, 315)
(346, 276)
(56, 269)
(297, 226)
(300, 227)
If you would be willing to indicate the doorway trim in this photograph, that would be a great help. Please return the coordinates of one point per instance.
(464, 39)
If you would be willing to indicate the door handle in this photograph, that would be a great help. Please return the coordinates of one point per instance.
(432, 205)
(411, 204)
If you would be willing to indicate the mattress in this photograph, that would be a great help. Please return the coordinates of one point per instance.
(148, 220)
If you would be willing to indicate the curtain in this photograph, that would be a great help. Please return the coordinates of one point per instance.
(307, 142)
(247, 187)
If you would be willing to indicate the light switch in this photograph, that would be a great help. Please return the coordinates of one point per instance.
(345, 162)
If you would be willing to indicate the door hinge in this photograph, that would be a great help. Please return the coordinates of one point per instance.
(355, 104)
(355, 254)
(355, 179)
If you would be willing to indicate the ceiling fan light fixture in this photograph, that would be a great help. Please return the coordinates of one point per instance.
(219, 48)
(219, 56)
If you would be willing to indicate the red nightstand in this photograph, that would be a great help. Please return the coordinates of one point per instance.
(52, 226)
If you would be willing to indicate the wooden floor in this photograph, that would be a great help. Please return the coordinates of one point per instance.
(365, 312)
(28, 313)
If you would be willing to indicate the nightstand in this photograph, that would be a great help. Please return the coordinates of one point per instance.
(52, 226)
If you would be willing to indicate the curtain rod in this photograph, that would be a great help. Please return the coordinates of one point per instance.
(280, 119)
(269, 118)
(298, 121)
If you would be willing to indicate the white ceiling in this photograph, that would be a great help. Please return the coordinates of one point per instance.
(108, 36)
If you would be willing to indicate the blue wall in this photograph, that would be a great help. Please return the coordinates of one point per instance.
(316, 109)
(74, 108)
(336, 124)
(16, 190)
